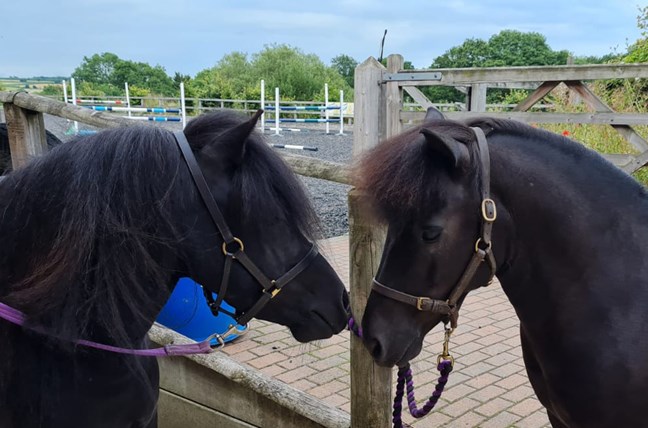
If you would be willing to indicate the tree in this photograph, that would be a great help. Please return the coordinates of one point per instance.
(107, 73)
(507, 48)
(471, 53)
(345, 65)
(299, 76)
(97, 69)
(514, 48)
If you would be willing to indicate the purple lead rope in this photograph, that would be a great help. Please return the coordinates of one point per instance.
(17, 317)
(405, 381)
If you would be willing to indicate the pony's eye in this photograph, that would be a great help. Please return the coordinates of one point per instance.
(431, 234)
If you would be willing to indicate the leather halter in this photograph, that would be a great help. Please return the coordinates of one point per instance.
(233, 249)
(483, 251)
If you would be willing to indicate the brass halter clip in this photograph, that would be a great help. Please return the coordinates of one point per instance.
(445, 354)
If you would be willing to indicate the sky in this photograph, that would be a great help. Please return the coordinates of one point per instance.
(50, 38)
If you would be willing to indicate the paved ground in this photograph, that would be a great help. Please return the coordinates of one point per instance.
(487, 389)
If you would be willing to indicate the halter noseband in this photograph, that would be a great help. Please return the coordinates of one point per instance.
(483, 251)
(233, 249)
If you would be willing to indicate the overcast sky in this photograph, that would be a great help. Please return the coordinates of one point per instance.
(47, 37)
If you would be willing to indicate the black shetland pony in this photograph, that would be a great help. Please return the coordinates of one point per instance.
(96, 233)
(570, 252)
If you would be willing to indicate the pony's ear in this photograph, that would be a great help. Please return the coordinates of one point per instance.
(433, 114)
(231, 143)
(455, 153)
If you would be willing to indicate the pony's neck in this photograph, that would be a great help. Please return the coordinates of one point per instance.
(560, 211)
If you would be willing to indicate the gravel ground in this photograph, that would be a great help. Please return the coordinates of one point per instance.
(329, 199)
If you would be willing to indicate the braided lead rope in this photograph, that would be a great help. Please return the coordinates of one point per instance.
(405, 379)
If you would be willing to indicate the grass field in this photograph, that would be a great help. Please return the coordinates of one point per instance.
(32, 85)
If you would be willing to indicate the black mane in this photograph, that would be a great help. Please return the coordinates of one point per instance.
(400, 176)
(83, 226)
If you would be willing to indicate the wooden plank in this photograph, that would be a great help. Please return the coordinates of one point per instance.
(26, 129)
(67, 111)
(477, 97)
(628, 163)
(393, 98)
(614, 119)
(317, 168)
(468, 76)
(371, 389)
(597, 104)
(419, 97)
(218, 382)
(369, 111)
(175, 411)
(536, 96)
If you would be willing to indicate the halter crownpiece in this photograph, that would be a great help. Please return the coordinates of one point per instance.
(483, 251)
(234, 250)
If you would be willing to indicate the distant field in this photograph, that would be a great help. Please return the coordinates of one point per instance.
(31, 85)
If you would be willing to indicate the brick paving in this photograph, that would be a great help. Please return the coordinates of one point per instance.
(488, 389)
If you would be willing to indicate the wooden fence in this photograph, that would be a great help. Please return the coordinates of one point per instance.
(476, 82)
(379, 114)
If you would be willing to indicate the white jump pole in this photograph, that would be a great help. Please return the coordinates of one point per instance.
(263, 106)
(127, 99)
(182, 105)
(326, 107)
(341, 112)
(277, 111)
(74, 101)
(65, 97)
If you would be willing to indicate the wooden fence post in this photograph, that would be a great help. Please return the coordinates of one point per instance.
(370, 384)
(393, 97)
(26, 129)
(477, 97)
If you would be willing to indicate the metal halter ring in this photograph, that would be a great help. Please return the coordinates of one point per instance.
(479, 240)
(240, 244)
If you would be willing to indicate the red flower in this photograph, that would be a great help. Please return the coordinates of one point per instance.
(566, 133)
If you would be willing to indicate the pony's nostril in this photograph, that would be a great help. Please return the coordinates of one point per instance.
(374, 347)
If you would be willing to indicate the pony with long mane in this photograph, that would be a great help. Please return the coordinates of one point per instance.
(97, 232)
(566, 233)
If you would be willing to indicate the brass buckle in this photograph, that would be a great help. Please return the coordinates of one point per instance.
(276, 290)
(419, 303)
(240, 244)
(489, 203)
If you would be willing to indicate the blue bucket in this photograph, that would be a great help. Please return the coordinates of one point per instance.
(187, 312)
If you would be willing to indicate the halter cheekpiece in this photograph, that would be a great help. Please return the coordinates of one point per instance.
(482, 251)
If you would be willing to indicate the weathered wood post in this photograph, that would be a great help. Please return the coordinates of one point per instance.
(393, 97)
(477, 97)
(26, 129)
(370, 384)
